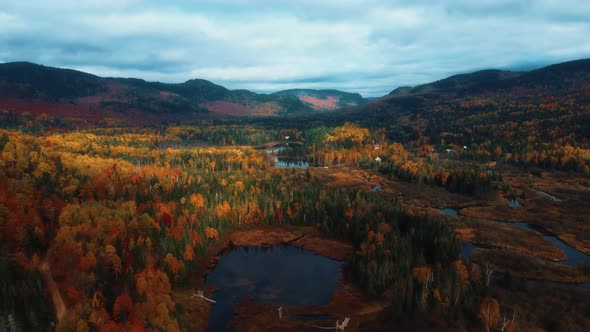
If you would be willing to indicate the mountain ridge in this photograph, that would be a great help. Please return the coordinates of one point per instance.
(325, 99)
(502, 79)
(500, 107)
(68, 93)
(24, 84)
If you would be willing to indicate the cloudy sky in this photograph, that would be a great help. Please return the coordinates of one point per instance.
(366, 46)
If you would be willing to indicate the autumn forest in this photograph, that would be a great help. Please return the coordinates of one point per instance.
(462, 205)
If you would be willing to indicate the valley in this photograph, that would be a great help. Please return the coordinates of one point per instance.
(410, 211)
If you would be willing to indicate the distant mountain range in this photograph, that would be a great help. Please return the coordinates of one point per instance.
(325, 100)
(553, 102)
(37, 89)
(28, 87)
(568, 74)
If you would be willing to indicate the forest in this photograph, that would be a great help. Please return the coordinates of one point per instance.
(115, 219)
(130, 212)
(458, 205)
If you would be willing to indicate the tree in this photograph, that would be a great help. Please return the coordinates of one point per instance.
(508, 325)
(157, 306)
(489, 312)
(211, 233)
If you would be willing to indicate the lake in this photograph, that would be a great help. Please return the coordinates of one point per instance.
(281, 275)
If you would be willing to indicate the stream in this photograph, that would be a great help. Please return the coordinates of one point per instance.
(554, 198)
(573, 257)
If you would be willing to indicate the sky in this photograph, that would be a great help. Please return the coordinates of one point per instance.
(365, 46)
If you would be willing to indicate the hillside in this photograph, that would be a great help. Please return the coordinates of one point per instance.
(65, 93)
(568, 75)
(325, 100)
(504, 108)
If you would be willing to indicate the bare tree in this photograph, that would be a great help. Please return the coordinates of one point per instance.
(488, 273)
(508, 324)
(489, 312)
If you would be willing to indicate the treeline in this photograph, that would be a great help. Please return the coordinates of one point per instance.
(553, 156)
(230, 134)
(416, 260)
(413, 258)
(353, 145)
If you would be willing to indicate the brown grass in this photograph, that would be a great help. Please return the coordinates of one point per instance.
(528, 267)
(491, 234)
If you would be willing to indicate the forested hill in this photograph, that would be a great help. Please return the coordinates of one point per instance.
(572, 74)
(65, 93)
(512, 110)
(325, 100)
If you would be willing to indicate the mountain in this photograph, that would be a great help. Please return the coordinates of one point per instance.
(570, 74)
(325, 100)
(550, 104)
(37, 89)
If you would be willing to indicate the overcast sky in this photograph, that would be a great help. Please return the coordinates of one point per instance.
(366, 46)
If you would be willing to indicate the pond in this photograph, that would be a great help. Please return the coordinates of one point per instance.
(275, 150)
(288, 156)
(514, 202)
(282, 275)
(281, 162)
(450, 211)
(467, 249)
(311, 318)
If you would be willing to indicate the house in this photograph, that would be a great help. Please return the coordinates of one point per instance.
(376, 146)
(378, 159)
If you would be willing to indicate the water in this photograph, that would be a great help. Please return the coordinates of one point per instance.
(555, 198)
(281, 162)
(467, 249)
(283, 275)
(276, 150)
(311, 318)
(287, 156)
(514, 202)
(573, 256)
(450, 211)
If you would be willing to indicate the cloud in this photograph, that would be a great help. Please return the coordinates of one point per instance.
(366, 46)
